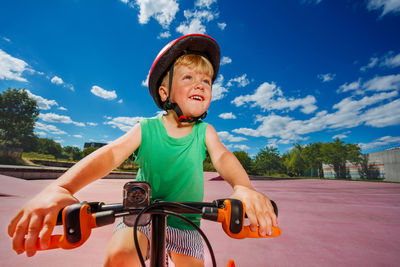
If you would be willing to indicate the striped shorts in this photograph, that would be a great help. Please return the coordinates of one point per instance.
(187, 242)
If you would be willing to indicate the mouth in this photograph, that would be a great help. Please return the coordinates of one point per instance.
(196, 98)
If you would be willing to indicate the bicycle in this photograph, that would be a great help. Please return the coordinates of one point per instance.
(79, 219)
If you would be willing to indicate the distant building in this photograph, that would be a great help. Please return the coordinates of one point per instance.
(384, 165)
(92, 144)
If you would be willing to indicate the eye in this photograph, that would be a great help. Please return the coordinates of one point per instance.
(207, 81)
(187, 77)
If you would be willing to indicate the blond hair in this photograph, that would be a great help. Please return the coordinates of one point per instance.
(195, 62)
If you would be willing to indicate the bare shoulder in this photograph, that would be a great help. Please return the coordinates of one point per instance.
(130, 141)
(211, 133)
(212, 139)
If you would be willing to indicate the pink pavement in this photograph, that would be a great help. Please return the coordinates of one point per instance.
(323, 222)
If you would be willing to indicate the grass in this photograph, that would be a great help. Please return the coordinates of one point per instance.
(34, 155)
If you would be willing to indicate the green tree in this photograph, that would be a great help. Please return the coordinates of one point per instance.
(294, 161)
(73, 152)
(207, 163)
(18, 114)
(49, 146)
(267, 161)
(337, 153)
(244, 159)
(88, 150)
(313, 158)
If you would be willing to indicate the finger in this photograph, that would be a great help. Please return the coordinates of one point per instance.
(14, 222)
(34, 228)
(49, 222)
(252, 219)
(272, 214)
(19, 235)
(265, 225)
(264, 221)
(274, 220)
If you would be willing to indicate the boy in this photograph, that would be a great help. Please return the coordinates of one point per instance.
(170, 150)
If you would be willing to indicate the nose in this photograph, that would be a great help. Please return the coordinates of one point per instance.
(199, 85)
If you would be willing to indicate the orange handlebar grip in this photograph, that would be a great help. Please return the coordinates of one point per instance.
(54, 243)
(76, 230)
(232, 217)
(276, 231)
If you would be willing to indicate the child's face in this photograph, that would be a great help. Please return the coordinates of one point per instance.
(191, 91)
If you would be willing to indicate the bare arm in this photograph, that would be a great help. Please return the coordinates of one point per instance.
(227, 165)
(258, 206)
(99, 163)
(38, 216)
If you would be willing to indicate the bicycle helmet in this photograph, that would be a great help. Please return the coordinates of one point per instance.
(188, 44)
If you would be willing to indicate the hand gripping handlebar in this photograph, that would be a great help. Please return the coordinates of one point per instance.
(78, 220)
(231, 214)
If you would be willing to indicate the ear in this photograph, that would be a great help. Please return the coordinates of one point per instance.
(163, 92)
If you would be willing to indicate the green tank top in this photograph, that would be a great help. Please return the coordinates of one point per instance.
(172, 166)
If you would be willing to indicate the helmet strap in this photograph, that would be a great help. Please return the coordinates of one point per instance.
(174, 106)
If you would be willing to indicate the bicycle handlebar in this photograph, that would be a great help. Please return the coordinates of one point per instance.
(79, 219)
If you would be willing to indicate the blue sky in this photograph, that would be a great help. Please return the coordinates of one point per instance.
(293, 71)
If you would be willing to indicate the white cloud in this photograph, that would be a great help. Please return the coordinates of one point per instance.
(57, 80)
(161, 112)
(391, 61)
(6, 39)
(91, 123)
(382, 116)
(51, 129)
(350, 87)
(342, 135)
(222, 25)
(123, 123)
(62, 108)
(387, 6)
(270, 97)
(393, 141)
(77, 136)
(379, 83)
(241, 147)
(194, 26)
(226, 136)
(205, 3)
(203, 15)
(225, 60)
(227, 116)
(195, 21)
(163, 11)
(372, 63)
(326, 77)
(55, 118)
(241, 81)
(120, 101)
(145, 83)
(285, 128)
(163, 35)
(383, 83)
(11, 68)
(43, 104)
(100, 92)
(350, 113)
(218, 90)
(40, 133)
